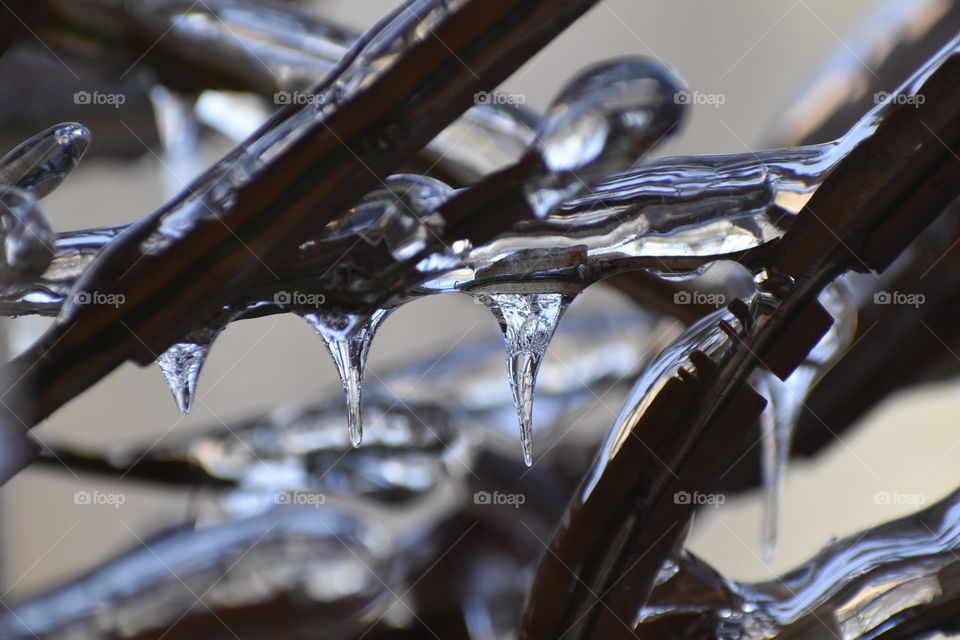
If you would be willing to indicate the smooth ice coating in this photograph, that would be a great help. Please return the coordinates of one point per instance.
(605, 120)
(528, 322)
(609, 115)
(26, 235)
(785, 402)
(348, 337)
(270, 44)
(705, 335)
(28, 172)
(41, 163)
(851, 589)
(675, 208)
(400, 215)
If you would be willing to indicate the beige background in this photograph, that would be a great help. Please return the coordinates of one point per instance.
(754, 52)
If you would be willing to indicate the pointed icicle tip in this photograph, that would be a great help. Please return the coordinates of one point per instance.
(605, 120)
(528, 322)
(181, 365)
(348, 337)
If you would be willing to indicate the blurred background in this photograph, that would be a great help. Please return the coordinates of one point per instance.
(754, 53)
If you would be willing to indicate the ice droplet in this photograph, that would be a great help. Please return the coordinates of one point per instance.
(42, 162)
(528, 322)
(182, 362)
(605, 120)
(348, 337)
(181, 366)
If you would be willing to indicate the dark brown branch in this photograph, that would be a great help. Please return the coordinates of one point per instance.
(332, 165)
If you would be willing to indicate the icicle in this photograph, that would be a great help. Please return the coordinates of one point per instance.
(769, 456)
(777, 423)
(182, 362)
(348, 337)
(181, 366)
(179, 132)
(528, 322)
(785, 404)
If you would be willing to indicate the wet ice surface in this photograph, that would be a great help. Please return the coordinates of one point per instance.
(348, 338)
(592, 207)
(786, 402)
(851, 589)
(528, 322)
(604, 120)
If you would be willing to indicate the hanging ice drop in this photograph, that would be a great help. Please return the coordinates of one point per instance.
(348, 337)
(777, 423)
(182, 362)
(605, 120)
(528, 321)
(181, 366)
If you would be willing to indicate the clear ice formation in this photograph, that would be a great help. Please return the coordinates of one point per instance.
(852, 589)
(29, 172)
(181, 366)
(604, 120)
(42, 162)
(26, 234)
(672, 215)
(348, 337)
(528, 322)
(179, 133)
(425, 415)
(785, 402)
(182, 362)
(344, 562)
(400, 214)
(676, 207)
(706, 335)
